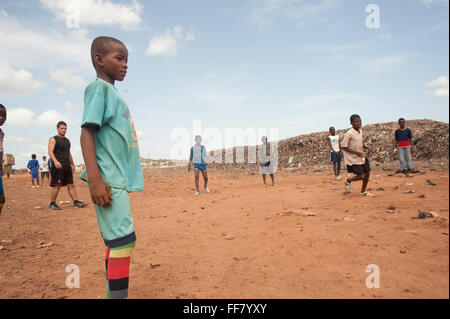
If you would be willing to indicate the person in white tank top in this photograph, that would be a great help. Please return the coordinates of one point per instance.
(335, 148)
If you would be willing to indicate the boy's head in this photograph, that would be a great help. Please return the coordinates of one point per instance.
(198, 139)
(402, 122)
(2, 115)
(332, 131)
(62, 128)
(44, 158)
(355, 121)
(110, 58)
(33, 156)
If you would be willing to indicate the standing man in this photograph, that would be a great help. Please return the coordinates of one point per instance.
(62, 168)
(403, 142)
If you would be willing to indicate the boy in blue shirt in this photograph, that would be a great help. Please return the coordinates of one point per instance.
(111, 154)
(33, 166)
(198, 155)
(403, 142)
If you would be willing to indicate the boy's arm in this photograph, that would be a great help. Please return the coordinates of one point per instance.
(345, 147)
(100, 192)
(51, 148)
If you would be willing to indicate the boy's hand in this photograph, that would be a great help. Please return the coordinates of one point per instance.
(360, 154)
(100, 192)
(58, 165)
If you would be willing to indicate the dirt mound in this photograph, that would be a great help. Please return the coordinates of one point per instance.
(430, 142)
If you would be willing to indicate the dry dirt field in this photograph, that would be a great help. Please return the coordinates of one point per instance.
(301, 239)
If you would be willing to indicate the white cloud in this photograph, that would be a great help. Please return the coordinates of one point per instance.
(17, 139)
(328, 99)
(383, 64)
(27, 47)
(265, 13)
(61, 91)
(17, 81)
(68, 79)
(167, 43)
(70, 106)
(20, 117)
(97, 12)
(223, 100)
(441, 86)
(429, 3)
(26, 117)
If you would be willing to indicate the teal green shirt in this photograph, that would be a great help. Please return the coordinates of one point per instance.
(115, 140)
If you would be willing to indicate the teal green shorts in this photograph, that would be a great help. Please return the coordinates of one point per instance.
(115, 222)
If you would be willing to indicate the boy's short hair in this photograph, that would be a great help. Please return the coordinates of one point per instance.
(102, 45)
(2, 106)
(354, 117)
(196, 137)
(61, 123)
(33, 156)
(45, 157)
(331, 127)
(401, 119)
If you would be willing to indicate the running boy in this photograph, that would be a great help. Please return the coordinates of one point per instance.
(335, 148)
(353, 148)
(403, 137)
(2, 136)
(111, 154)
(44, 169)
(33, 166)
(198, 155)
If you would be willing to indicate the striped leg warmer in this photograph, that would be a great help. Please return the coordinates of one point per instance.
(117, 265)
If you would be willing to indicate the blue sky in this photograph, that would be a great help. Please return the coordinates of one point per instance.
(295, 65)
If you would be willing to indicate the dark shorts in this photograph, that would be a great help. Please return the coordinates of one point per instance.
(336, 158)
(359, 169)
(61, 177)
(45, 174)
(35, 174)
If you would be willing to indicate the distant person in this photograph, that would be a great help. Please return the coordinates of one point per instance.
(335, 148)
(354, 156)
(62, 168)
(266, 160)
(33, 166)
(44, 170)
(113, 164)
(403, 142)
(2, 136)
(198, 157)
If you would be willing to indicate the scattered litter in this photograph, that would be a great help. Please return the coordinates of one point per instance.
(381, 189)
(308, 214)
(392, 207)
(155, 265)
(402, 251)
(240, 258)
(37, 207)
(423, 215)
(409, 192)
(409, 184)
(422, 196)
(229, 237)
(64, 202)
(42, 245)
(430, 182)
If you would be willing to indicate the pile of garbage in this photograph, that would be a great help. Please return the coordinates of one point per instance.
(430, 142)
(162, 163)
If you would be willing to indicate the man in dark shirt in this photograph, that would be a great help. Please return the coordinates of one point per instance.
(62, 167)
(403, 137)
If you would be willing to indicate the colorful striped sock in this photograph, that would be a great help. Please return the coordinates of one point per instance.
(117, 264)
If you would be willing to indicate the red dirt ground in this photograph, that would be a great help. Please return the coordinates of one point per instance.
(276, 252)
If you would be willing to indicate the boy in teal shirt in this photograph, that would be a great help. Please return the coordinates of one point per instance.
(111, 154)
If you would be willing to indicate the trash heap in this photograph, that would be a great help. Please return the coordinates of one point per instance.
(430, 142)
